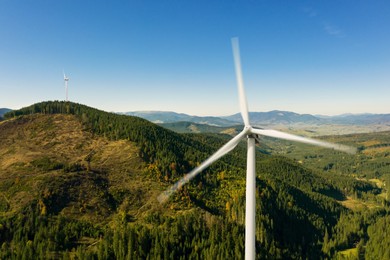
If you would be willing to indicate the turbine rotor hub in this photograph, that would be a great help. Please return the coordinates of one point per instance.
(248, 130)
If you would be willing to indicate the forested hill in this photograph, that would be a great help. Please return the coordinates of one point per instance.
(77, 182)
(170, 152)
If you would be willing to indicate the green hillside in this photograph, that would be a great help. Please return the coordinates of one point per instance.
(81, 183)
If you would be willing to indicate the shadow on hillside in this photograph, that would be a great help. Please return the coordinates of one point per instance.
(334, 194)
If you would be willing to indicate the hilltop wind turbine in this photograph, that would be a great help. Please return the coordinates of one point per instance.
(251, 134)
(66, 79)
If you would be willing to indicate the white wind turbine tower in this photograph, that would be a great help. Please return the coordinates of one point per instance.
(251, 134)
(66, 79)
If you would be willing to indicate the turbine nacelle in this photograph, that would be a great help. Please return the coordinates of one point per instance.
(66, 79)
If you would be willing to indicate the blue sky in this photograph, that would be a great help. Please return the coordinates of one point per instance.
(318, 57)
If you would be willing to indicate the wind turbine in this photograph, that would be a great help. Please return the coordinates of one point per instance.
(66, 79)
(251, 134)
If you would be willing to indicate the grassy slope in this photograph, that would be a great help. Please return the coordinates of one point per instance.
(40, 155)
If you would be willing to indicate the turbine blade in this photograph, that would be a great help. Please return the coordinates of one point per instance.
(163, 197)
(240, 81)
(301, 139)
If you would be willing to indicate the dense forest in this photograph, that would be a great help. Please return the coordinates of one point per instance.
(104, 207)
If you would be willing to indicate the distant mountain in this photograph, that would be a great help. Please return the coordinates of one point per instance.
(275, 117)
(3, 111)
(171, 117)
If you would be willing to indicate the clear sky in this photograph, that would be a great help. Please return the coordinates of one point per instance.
(318, 57)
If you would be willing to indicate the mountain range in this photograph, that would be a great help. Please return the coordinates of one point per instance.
(274, 117)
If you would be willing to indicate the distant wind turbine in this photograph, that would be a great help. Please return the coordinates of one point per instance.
(66, 79)
(251, 134)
